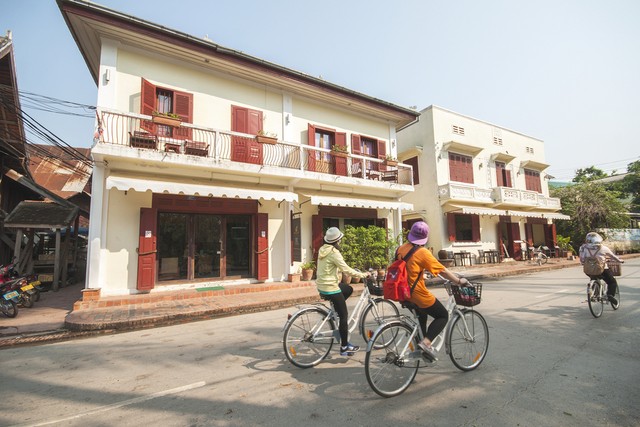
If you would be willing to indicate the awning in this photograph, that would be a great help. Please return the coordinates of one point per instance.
(479, 210)
(461, 147)
(125, 183)
(502, 157)
(532, 164)
(556, 216)
(525, 214)
(358, 203)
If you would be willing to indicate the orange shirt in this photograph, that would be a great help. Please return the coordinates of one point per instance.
(421, 260)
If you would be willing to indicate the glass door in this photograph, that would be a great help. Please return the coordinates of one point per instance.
(238, 254)
(207, 245)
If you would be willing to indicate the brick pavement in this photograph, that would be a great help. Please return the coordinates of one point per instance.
(116, 314)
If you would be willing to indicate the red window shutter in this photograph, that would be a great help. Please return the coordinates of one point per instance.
(262, 238)
(356, 148)
(311, 154)
(451, 226)
(147, 249)
(382, 154)
(248, 121)
(453, 167)
(341, 162)
(183, 106)
(528, 234)
(316, 235)
(147, 104)
(475, 228)
(468, 165)
(413, 161)
(507, 175)
(500, 174)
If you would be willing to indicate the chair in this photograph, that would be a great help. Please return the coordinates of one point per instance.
(480, 257)
(141, 139)
(196, 148)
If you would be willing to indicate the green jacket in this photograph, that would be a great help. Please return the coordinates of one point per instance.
(331, 265)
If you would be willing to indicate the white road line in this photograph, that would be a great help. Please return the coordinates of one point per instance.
(561, 291)
(123, 403)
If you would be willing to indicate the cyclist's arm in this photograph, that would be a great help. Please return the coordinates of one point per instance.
(609, 254)
(342, 266)
(452, 277)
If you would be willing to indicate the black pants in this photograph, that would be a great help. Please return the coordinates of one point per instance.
(440, 319)
(612, 283)
(339, 302)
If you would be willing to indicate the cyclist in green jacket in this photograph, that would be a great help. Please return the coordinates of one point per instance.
(331, 265)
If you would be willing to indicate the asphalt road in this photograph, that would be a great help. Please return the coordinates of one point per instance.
(550, 363)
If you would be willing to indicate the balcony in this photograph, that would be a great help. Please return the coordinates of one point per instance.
(137, 135)
(498, 196)
(458, 192)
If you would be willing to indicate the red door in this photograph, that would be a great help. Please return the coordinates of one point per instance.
(147, 249)
(263, 246)
(246, 150)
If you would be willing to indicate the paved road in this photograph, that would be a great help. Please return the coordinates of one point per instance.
(550, 363)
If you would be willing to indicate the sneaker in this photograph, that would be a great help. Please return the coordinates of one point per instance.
(428, 352)
(348, 350)
(613, 300)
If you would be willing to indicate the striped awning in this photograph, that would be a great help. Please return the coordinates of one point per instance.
(358, 203)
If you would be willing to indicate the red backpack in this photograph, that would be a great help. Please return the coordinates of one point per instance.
(396, 286)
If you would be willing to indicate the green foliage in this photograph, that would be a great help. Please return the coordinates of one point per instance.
(589, 174)
(564, 243)
(631, 185)
(309, 265)
(591, 206)
(366, 247)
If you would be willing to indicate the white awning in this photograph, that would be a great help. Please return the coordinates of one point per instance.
(480, 210)
(556, 216)
(358, 203)
(525, 214)
(125, 183)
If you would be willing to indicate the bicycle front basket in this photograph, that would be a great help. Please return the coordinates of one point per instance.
(374, 288)
(615, 267)
(468, 295)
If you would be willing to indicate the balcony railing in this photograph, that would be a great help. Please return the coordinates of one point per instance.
(141, 132)
(496, 196)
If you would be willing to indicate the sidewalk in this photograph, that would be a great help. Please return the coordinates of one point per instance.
(63, 315)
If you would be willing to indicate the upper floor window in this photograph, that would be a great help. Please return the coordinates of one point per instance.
(367, 146)
(532, 180)
(503, 176)
(460, 168)
(413, 161)
(163, 100)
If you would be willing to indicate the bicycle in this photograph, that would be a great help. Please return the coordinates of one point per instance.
(310, 332)
(539, 257)
(597, 293)
(393, 356)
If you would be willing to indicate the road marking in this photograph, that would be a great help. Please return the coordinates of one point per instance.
(123, 403)
(561, 291)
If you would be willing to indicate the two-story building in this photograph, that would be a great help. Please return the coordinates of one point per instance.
(212, 165)
(479, 186)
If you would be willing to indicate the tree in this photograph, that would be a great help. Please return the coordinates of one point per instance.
(589, 174)
(590, 206)
(631, 185)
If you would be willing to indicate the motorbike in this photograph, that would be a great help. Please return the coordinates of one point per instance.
(27, 286)
(8, 300)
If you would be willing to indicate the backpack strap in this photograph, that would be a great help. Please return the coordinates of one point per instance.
(406, 258)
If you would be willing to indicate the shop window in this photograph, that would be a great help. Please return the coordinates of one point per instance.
(463, 227)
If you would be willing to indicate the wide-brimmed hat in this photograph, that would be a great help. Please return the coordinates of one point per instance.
(419, 233)
(332, 235)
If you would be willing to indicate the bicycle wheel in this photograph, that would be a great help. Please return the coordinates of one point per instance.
(617, 297)
(467, 345)
(308, 337)
(376, 314)
(594, 297)
(393, 360)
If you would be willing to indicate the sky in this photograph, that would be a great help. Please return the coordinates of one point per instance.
(566, 72)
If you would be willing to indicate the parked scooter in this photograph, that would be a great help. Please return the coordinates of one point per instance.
(8, 301)
(27, 286)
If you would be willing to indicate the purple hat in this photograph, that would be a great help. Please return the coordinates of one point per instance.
(419, 233)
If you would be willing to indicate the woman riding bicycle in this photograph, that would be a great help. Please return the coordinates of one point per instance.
(593, 247)
(328, 280)
(428, 305)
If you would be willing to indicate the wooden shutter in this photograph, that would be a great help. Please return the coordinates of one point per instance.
(500, 174)
(262, 240)
(451, 226)
(148, 104)
(183, 106)
(357, 168)
(311, 154)
(528, 234)
(475, 228)
(340, 163)
(382, 154)
(254, 148)
(249, 121)
(147, 249)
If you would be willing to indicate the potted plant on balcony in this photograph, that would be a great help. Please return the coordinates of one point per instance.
(307, 269)
(339, 151)
(390, 160)
(266, 137)
(168, 119)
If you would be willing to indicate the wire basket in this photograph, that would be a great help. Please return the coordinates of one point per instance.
(468, 295)
(375, 287)
(615, 267)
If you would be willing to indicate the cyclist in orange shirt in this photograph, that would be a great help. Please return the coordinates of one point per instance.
(428, 305)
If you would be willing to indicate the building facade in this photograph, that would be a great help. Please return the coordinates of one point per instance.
(479, 186)
(213, 166)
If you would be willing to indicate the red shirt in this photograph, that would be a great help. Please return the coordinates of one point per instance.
(421, 260)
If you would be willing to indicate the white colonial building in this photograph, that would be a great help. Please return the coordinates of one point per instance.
(479, 186)
(188, 189)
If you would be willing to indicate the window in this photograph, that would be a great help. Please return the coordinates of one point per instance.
(368, 147)
(497, 141)
(532, 180)
(460, 168)
(163, 100)
(324, 139)
(463, 228)
(529, 150)
(414, 164)
(503, 176)
(458, 130)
